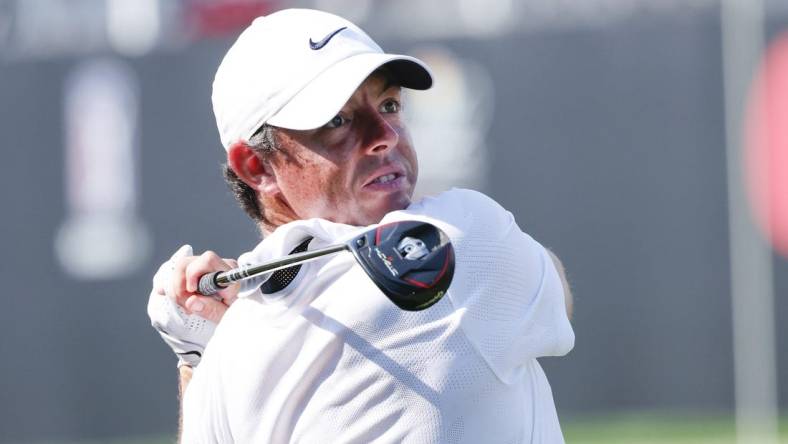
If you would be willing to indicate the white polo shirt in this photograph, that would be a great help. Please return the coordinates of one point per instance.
(330, 359)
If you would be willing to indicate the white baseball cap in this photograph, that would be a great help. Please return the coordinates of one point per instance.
(295, 69)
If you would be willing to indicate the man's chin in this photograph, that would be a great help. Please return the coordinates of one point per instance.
(386, 205)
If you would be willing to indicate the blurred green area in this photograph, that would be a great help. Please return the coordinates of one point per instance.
(656, 428)
(627, 428)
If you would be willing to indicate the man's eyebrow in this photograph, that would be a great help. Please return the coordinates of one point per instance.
(388, 84)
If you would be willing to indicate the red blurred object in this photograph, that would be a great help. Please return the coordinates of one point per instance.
(216, 18)
(766, 149)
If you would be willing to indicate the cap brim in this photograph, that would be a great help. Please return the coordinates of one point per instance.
(324, 96)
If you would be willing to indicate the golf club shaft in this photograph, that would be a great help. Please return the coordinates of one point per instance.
(211, 283)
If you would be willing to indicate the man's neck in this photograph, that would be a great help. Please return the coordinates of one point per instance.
(266, 229)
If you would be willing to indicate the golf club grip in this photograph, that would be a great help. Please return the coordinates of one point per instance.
(212, 283)
(208, 285)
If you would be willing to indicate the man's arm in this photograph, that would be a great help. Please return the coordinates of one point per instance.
(184, 318)
(568, 299)
(184, 377)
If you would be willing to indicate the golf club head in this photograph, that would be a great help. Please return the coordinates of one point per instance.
(411, 262)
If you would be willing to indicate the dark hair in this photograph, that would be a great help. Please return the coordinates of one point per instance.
(264, 142)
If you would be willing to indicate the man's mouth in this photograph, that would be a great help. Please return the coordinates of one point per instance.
(386, 178)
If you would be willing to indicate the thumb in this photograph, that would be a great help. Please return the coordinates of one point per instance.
(184, 251)
(206, 307)
(161, 280)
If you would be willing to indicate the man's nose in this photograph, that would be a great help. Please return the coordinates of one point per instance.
(380, 134)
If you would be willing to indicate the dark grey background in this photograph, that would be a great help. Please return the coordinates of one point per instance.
(607, 144)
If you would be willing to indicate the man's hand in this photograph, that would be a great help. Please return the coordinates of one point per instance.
(184, 318)
(183, 286)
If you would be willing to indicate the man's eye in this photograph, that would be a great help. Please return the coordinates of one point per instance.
(336, 122)
(390, 106)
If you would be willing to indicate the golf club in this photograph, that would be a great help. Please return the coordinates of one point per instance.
(411, 262)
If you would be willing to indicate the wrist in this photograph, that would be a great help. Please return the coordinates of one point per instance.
(189, 359)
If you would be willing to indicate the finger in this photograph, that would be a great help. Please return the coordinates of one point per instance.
(184, 251)
(179, 291)
(161, 280)
(207, 262)
(206, 307)
(230, 294)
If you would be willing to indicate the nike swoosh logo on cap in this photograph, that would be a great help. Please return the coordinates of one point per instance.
(326, 39)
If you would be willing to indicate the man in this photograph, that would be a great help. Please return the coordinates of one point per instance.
(309, 111)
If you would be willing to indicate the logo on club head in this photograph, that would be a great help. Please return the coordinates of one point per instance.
(412, 248)
(387, 262)
(321, 43)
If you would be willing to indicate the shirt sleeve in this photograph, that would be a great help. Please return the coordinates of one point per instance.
(505, 284)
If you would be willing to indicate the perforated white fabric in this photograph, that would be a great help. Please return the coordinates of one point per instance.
(186, 334)
(330, 359)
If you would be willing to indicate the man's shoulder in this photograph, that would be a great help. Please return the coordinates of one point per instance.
(463, 207)
(466, 199)
(459, 213)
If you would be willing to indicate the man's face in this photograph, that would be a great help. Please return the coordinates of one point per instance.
(353, 170)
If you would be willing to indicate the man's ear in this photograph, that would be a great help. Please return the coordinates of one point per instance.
(251, 168)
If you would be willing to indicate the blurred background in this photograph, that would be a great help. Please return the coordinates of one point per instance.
(645, 141)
